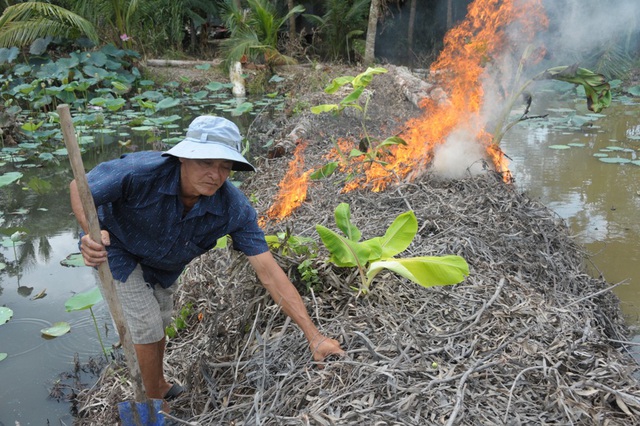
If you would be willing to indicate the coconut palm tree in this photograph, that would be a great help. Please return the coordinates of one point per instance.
(23, 23)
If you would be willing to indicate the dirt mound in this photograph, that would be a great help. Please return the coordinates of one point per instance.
(527, 338)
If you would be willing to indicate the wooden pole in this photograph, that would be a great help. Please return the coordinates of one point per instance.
(75, 158)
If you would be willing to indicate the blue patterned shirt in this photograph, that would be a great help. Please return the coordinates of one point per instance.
(138, 202)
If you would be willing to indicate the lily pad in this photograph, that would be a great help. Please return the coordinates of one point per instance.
(5, 314)
(214, 86)
(600, 155)
(73, 260)
(615, 160)
(577, 144)
(3, 355)
(635, 90)
(559, 147)
(9, 177)
(635, 162)
(8, 242)
(142, 128)
(57, 329)
(83, 301)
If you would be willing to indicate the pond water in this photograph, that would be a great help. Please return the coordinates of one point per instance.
(598, 200)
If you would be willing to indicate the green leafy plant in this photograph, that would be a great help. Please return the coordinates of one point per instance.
(286, 243)
(342, 26)
(24, 23)
(372, 256)
(596, 88)
(83, 301)
(255, 32)
(180, 321)
(370, 150)
(309, 274)
(39, 186)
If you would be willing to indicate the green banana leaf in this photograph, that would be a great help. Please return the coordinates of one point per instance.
(399, 235)
(342, 214)
(428, 271)
(347, 253)
(597, 89)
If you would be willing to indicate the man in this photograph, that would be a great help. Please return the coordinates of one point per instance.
(157, 212)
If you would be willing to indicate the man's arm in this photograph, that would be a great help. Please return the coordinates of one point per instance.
(93, 253)
(285, 294)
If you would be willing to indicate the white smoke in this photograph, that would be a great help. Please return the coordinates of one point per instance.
(577, 29)
(460, 156)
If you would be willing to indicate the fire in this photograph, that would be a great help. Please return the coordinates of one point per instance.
(293, 187)
(470, 51)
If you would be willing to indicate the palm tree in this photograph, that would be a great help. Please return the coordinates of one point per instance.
(23, 23)
(370, 46)
(254, 32)
(341, 24)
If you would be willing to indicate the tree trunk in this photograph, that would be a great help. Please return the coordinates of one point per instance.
(412, 23)
(235, 75)
(370, 46)
(449, 14)
(292, 21)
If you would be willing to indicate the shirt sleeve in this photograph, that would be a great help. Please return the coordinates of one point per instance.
(247, 236)
(107, 181)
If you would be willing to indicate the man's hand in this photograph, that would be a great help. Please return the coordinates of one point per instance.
(94, 253)
(322, 346)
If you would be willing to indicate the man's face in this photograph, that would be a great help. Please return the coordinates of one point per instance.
(203, 177)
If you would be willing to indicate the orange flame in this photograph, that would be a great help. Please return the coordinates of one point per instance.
(293, 187)
(469, 50)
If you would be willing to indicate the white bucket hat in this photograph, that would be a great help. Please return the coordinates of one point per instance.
(210, 137)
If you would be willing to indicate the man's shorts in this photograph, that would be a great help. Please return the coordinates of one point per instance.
(147, 309)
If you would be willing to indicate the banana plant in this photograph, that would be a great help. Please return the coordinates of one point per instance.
(371, 151)
(374, 255)
(596, 87)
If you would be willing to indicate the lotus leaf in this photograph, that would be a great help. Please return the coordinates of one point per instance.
(83, 301)
(74, 259)
(57, 329)
(8, 54)
(9, 177)
(5, 314)
(615, 160)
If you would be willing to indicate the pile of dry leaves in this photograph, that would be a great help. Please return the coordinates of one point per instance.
(528, 338)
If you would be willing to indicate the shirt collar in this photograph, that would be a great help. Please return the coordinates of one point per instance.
(171, 183)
